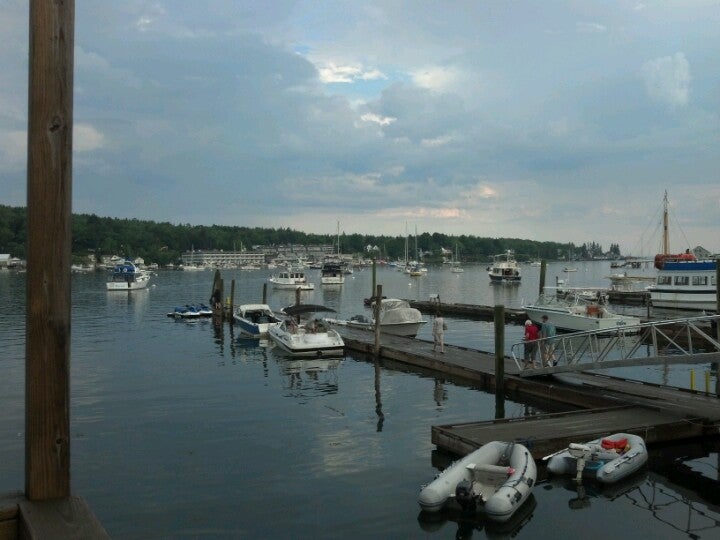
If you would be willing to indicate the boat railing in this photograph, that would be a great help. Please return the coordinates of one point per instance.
(690, 340)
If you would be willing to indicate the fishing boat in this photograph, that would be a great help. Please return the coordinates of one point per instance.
(254, 320)
(498, 475)
(504, 269)
(127, 277)
(606, 460)
(291, 279)
(312, 338)
(574, 313)
(396, 318)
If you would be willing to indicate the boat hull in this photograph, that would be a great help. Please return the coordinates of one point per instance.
(563, 320)
(127, 285)
(502, 474)
(304, 344)
(686, 285)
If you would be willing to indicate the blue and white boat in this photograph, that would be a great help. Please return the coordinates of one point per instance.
(255, 320)
(685, 284)
(127, 277)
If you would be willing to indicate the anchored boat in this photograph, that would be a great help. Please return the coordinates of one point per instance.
(498, 475)
(607, 460)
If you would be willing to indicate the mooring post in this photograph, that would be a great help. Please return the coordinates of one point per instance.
(499, 361)
(49, 245)
(232, 300)
(376, 318)
(543, 269)
(264, 294)
(717, 324)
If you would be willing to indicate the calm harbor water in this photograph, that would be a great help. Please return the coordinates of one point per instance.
(182, 430)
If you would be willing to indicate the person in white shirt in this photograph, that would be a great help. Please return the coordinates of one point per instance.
(438, 333)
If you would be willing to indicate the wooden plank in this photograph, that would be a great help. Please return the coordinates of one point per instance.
(60, 519)
(544, 434)
(49, 239)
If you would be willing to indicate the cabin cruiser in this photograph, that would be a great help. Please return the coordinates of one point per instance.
(312, 338)
(504, 269)
(127, 277)
(332, 273)
(291, 279)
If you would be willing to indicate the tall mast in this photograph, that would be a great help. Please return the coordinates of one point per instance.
(666, 248)
(338, 235)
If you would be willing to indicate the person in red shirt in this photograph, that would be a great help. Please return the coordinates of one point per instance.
(530, 339)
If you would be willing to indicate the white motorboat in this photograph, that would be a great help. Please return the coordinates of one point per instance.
(255, 319)
(127, 277)
(396, 318)
(607, 460)
(577, 314)
(311, 338)
(332, 273)
(504, 269)
(499, 475)
(292, 279)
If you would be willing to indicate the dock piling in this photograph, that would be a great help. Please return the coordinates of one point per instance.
(543, 270)
(499, 361)
(376, 317)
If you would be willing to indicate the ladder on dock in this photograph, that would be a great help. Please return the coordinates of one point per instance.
(674, 341)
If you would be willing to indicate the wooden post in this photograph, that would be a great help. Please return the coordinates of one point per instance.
(232, 299)
(543, 269)
(717, 324)
(216, 281)
(376, 317)
(49, 244)
(374, 276)
(499, 361)
(221, 286)
(264, 294)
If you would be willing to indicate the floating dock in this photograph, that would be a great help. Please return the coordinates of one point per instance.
(609, 405)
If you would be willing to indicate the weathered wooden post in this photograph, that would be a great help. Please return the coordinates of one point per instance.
(717, 324)
(49, 244)
(499, 361)
(232, 300)
(264, 293)
(376, 317)
(543, 269)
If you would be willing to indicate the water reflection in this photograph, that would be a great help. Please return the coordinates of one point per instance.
(306, 378)
(469, 523)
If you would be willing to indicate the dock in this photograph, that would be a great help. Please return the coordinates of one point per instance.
(606, 404)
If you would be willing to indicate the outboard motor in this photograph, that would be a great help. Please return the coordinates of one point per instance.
(464, 495)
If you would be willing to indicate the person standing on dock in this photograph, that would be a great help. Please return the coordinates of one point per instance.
(547, 331)
(438, 332)
(530, 339)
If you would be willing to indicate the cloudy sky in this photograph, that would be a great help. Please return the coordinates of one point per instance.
(553, 120)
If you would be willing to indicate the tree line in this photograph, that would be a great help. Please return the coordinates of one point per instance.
(164, 242)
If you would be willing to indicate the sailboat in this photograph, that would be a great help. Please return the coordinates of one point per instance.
(455, 266)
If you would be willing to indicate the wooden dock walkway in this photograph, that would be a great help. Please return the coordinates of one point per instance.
(658, 413)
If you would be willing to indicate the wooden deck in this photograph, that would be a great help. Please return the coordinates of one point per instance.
(658, 413)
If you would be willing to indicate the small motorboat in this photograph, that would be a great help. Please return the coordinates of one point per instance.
(499, 475)
(311, 338)
(606, 460)
(396, 318)
(255, 319)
